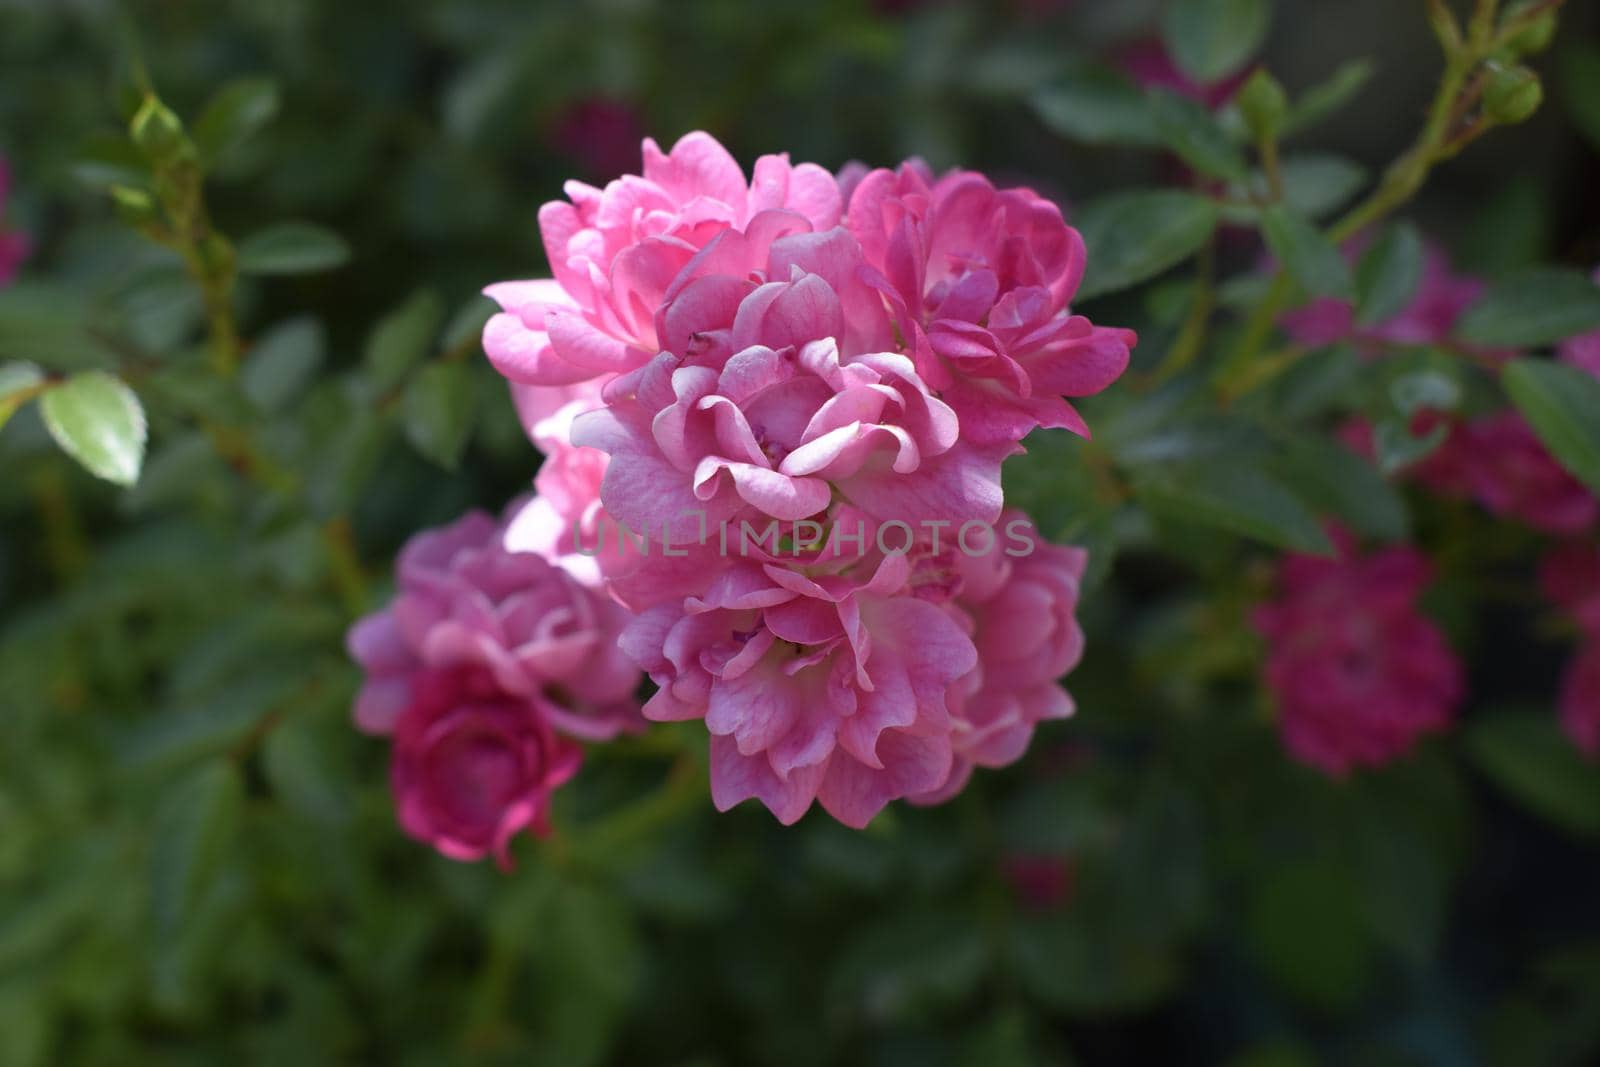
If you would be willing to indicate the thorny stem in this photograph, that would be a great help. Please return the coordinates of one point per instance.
(1438, 141)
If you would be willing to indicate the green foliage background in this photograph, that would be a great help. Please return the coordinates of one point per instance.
(198, 861)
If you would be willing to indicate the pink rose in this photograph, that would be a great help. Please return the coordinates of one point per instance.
(827, 688)
(979, 280)
(464, 602)
(1430, 318)
(1021, 614)
(615, 251)
(472, 768)
(1358, 673)
(1511, 474)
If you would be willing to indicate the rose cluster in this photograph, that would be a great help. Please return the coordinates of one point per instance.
(1357, 672)
(774, 411)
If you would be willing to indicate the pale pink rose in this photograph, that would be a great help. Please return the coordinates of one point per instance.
(778, 433)
(546, 411)
(463, 602)
(1513, 476)
(1583, 351)
(473, 767)
(778, 400)
(1148, 65)
(615, 251)
(14, 244)
(979, 280)
(1358, 673)
(826, 687)
(1020, 612)
(1580, 698)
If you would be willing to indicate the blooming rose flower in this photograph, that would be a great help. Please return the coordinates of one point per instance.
(1510, 472)
(1430, 318)
(14, 245)
(1498, 461)
(564, 520)
(464, 602)
(1359, 674)
(614, 252)
(978, 279)
(822, 686)
(473, 767)
(1580, 698)
(1021, 615)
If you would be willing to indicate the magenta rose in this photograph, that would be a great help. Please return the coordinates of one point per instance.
(472, 767)
(1358, 673)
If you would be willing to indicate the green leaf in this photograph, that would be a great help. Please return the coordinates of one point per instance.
(1388, 274)
(1510, 230)
(1425, 390)
(1309, 257)
(292, 248)
(233, 116)
(909, 962)
(1307, 930)
(282, 363)
(1241, 499)
(1136, 235)
(1190, 129)
(1314, 185)
(19, 383)
(401, 339)
(1210, 39)
(1527, 755)
(1534, 307)
(301, 764)
(105, 160)
(1563, 404)
(196, 822)
(1580, 80)
(437, 411)
(1338, 482)
(1398, 448)
(97, 421)
(1323, 100)
(1098, 106)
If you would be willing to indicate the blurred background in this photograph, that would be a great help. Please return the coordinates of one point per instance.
(1156, 883)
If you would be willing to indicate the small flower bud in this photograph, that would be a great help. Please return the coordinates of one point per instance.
(1534, 37)
(158, 132)
(1263, 103)
(1512, 95)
